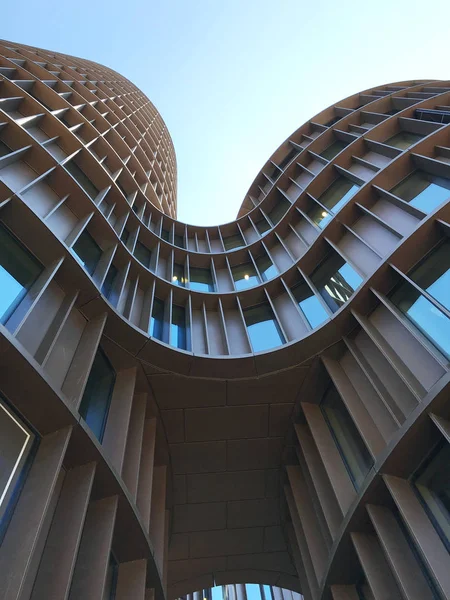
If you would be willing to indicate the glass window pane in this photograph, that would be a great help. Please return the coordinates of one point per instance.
(266, 267)
(178, 277)
(165, 235)
(336, 281)
(287, 159)
(334, 198)
(357, 458)
(267, 592)
(262, 226)
(178, 333)
(87, 251)
(201, 280)
(18, 271)
(109, 281)
(433, 275)
(16, 442)
(157, 319)
(80, 176)
(423, 191)
(263, 329)
(279, 210)
(233, 241)
(310, 305)
(125, 235)
(433, 485)
(245, 276)
(253, 591)
(330, 152)
(403, 140)
(426, 317)
(179, 241)
(109, 591)
(143, 254)
(97, 394)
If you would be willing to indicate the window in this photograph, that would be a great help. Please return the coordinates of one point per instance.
(4, 148)
(109, 281)
(279, 210)
(287, 159)
(18, 271)
(178, 333)
(124, 236)
(178, 277)
(262, 326)
(423, 191)
(310, 305)
(233, 241)
(334, 149)
(262, 226)
(432, 482)
(332, 121)
(16, 448)
(165, 234)
(245, 276)
(121, 188)
(96, 399)
(355, 455)
(157, 319)
(109, 591)
(403, 140)
(433, 274)
(87, 251)
(201, 280)
(179, 241)
(338, 194)
(80, 176)
(336, 281)
(266, 267)
(143, 254)
(431, 321)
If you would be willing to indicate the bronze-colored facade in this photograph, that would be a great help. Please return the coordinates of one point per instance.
(265, 401)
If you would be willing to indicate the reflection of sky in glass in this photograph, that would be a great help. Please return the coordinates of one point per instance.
(350, 275)
(253, 591)
(431, 197)
(313, 311)
(10, 290)
(264, 335)
(217, 593)
(242, 284)
(432, 322)
(440, 289)
(268, 273)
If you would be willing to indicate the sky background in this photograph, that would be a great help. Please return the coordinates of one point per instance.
(233, 79)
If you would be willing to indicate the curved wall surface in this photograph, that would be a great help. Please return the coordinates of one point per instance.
(263, 401)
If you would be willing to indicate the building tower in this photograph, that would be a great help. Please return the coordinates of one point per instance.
(262, 402)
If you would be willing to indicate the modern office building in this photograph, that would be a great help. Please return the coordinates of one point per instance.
(261, 402)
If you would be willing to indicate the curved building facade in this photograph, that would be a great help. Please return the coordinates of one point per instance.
(265, 401)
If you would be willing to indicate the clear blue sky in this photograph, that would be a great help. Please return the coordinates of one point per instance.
(233, 78)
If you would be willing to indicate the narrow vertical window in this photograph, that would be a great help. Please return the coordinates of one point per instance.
(157, 319)
(178, 332)
(263, 329)
(87, 251)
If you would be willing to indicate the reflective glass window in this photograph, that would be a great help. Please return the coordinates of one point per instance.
(83, 180)
(157, 319)
(109, 281)
(279, 210)
(233, 241)
(433, 485)
(310, 305)
(262, 226)
(433, 274)
(334, 198)
(431, 321)
(109, 591)
(165, 235)
(423, 191)
(336, 281)
(179, 241)
(354, 452)
(18, 271)
(87, 251)
(16, 445)
(245, 276)
(143, 254)
(266, 267)
(334, 149)
(178, 277)
(178, 332)
(262, 326)
(288, 158)
(125, 235)
(201, 280)
(403, 140)
(96, 399)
